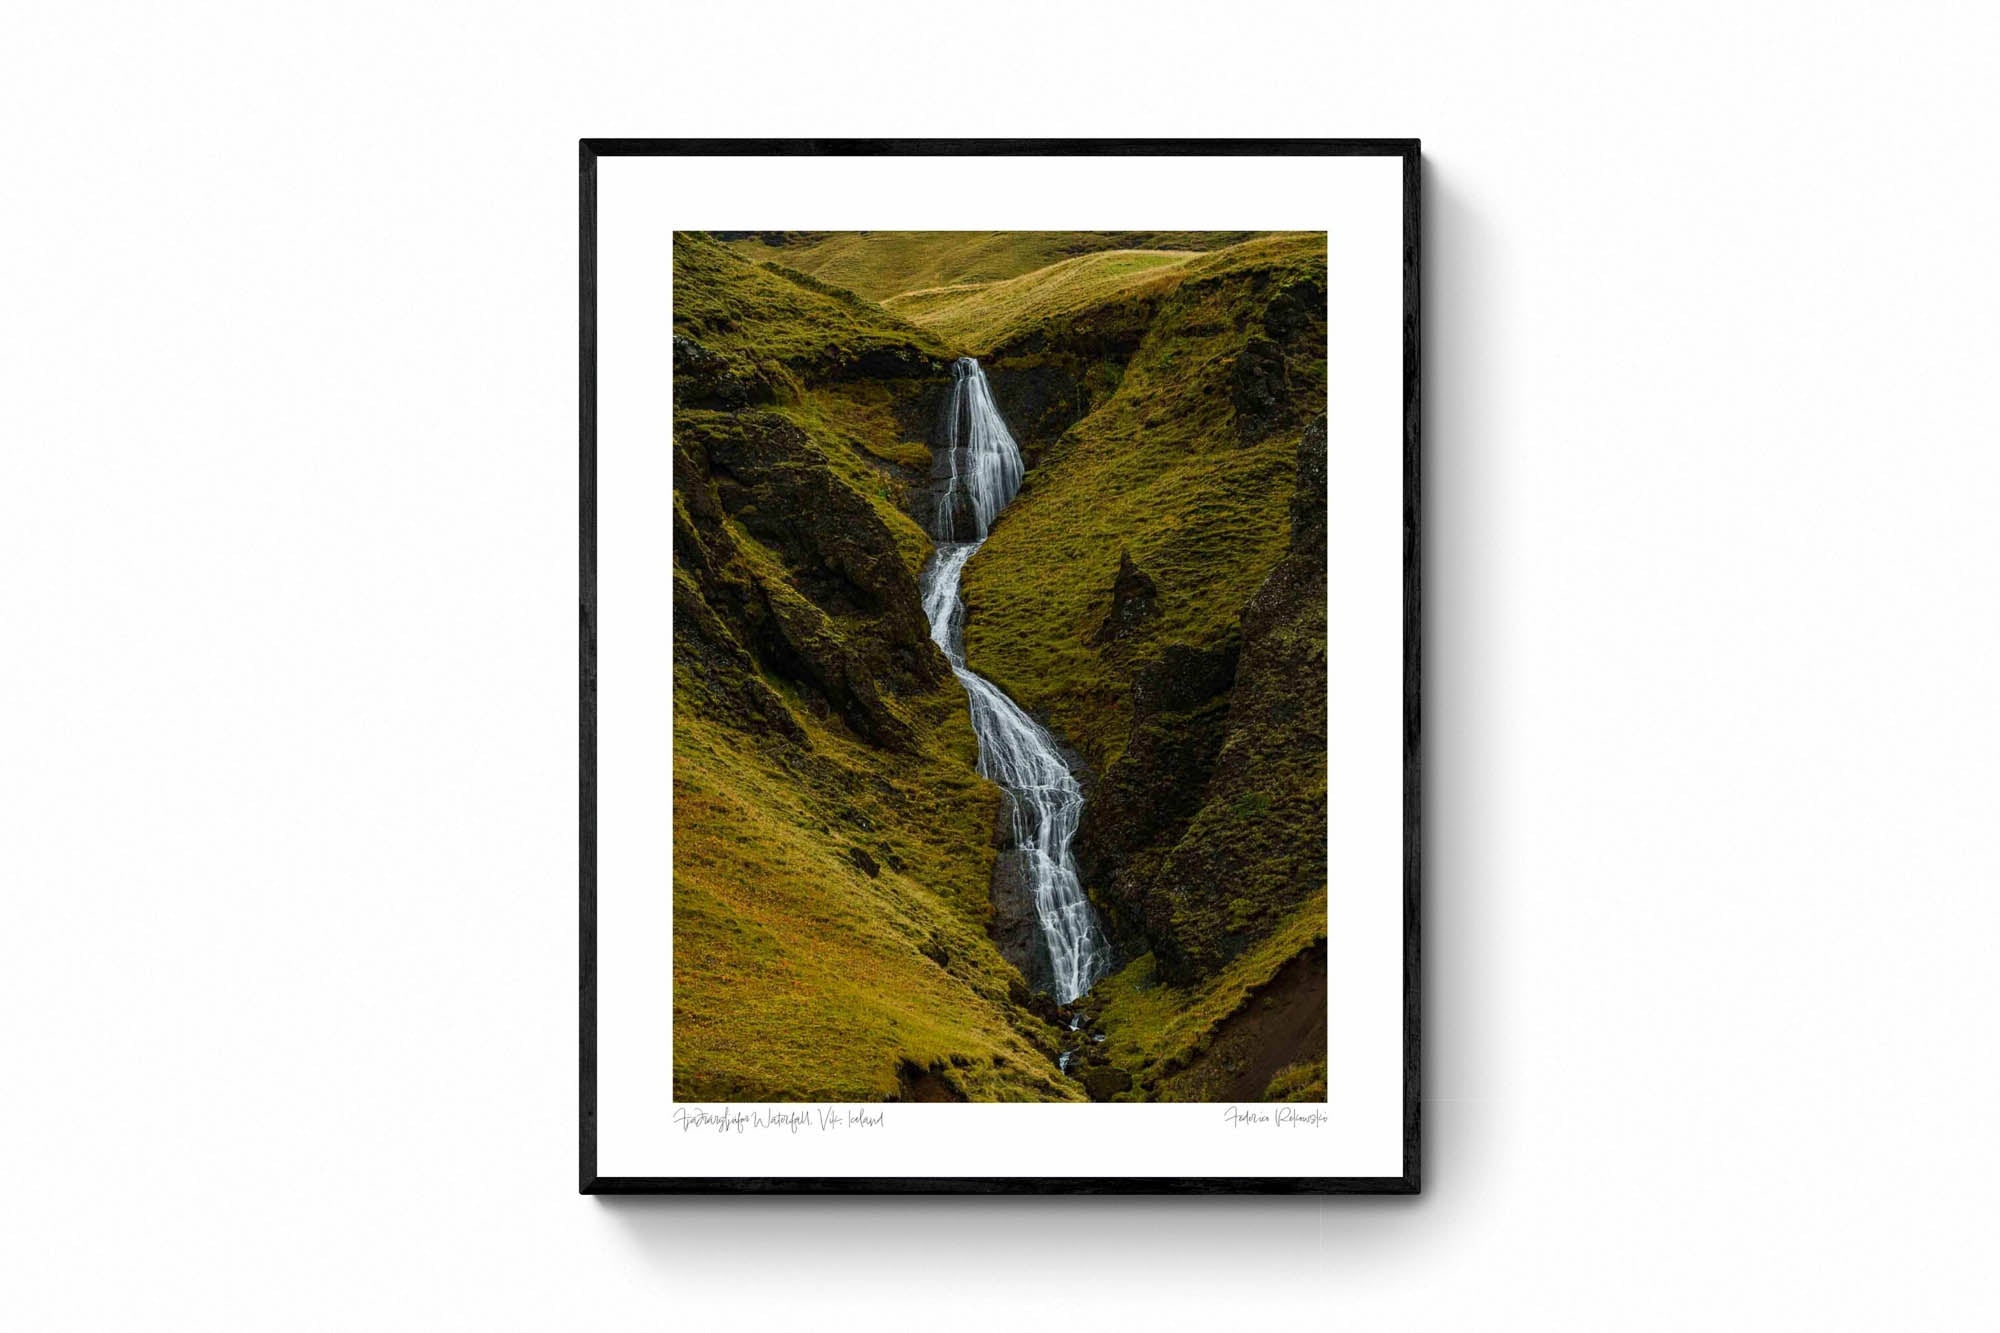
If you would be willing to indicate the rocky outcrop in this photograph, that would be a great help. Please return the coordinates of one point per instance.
(704, 378)
(709, 659)
(1051, 377)
(1016, 930)
(1134, 602)
(1180, 710)
(1040, 402)
(1295, 309)
(843, 622)
(1260, 390)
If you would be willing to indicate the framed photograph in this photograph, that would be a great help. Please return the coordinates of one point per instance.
(1000, 666)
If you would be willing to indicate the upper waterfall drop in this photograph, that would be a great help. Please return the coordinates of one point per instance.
(981, 465)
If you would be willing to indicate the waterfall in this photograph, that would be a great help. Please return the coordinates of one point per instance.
(1044, 801)
(992, 467)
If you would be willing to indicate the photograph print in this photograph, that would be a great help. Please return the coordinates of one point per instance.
(999, 666)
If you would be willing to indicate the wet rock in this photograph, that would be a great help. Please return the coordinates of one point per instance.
(1037, 1002)
(1016, 928)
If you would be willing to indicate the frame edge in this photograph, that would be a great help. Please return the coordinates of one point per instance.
(1410, 151)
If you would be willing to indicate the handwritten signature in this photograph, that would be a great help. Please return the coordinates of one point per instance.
(1280, 1117)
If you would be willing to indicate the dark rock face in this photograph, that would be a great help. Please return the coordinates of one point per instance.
(1048, 379)
(709, 656)
(1183, 678)
(1133, 603)
(1180, 712)
(874, 363)
(1015, 929)
(1260, 390)
(1039, 402)
(845, 624)
(836, 549)
(1309, 497)
(1294, 308)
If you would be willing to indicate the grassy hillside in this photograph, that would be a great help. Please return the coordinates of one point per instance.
(832, 845)
(975, 317)
(882, 264)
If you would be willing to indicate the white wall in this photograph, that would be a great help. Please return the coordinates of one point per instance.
(287, 310)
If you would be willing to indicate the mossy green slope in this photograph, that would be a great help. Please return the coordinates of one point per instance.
(882, 264)
(832, 844)
(974, 317)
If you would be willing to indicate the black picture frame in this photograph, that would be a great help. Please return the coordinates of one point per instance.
(1409, 150)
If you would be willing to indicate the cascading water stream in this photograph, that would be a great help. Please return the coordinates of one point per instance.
(1044, 801)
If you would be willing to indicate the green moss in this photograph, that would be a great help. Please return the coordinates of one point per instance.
(1250, 805)
(760, 315)
(882, 264)
(979, 317)
(1302, 1082)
